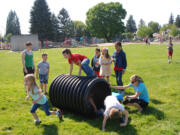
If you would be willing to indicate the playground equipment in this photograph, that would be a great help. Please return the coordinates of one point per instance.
(73, 92)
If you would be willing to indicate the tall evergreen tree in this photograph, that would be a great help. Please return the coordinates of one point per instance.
(177, 21)
(171, 19)
(55, 27)
(12, 24)
(65, 24)
(131, 25)
(41, 20)
(141, 23)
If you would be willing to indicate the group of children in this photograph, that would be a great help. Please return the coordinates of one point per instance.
(101, 67)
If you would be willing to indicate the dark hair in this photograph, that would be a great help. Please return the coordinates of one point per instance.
(67, 51)
(28, 43)
(97, 49)
(44, 54)
(118, 43)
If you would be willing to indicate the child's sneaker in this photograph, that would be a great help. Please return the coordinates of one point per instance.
(37, 121)
(59, 114)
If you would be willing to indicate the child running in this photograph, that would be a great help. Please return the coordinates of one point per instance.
(27, 59)
(95, 62)
(141, 98)
(79, 60)
(113, 109)
(42, 72)
(170, 50)
(120, 64)
(38, 99)
(105, 62)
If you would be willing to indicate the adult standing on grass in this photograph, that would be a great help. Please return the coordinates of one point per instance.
(170, 50)
(27, 59)
(120, 64)
(79, 60)
(141, 97)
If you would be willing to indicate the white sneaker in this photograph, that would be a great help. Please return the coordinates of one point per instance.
(37, 121)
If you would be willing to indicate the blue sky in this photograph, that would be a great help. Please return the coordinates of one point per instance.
(149, 10)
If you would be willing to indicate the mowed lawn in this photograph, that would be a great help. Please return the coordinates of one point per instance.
(162, 117)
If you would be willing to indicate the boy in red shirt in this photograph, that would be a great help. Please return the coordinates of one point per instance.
(80, 60)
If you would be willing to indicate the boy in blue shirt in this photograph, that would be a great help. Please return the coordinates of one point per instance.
(120, 64)
(42, 72)
(141, 97)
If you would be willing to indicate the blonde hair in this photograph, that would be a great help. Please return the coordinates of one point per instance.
(114, 113)
(32, 80)
(136, 78)
(107, 52)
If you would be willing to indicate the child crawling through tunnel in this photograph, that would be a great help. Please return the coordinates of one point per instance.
(113, 109)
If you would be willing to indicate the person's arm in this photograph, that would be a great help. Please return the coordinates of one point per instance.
(41, 94)
(126, 118)
(80, 68)
(27, 97)
(120, 87)
(93, 105)
(37, 73)
(23, 62)
(124, 63)
(71, 68)
(134, 96)
(104, 123)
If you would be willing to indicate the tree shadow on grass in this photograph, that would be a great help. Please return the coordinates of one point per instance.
(49, 129)
(96, 122)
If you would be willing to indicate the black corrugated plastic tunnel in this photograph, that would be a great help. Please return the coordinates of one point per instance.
(72, 93)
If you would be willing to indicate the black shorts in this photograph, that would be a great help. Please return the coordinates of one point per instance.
(140, 102)
(30, 70)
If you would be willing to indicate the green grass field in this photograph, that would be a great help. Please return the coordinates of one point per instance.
(162, 117)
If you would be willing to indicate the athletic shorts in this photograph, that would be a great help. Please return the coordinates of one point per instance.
(43, 78)
(30, 70)
(140, 102)
(170, 53)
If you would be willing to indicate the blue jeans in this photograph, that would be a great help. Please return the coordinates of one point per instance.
(119, 78)
(45, 107)
(86, 68)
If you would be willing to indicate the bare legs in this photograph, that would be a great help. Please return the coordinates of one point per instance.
(44, 87)
(136, 105)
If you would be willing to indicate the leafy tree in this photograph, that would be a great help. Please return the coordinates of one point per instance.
(105, 20)
(141, 23)
(79, 29)
(171, 19)
(65, 24)
(40, 20)
(155, 27)
(131, 25)
(174, 31)
(177, 21)
(12, 24)
(144, 31)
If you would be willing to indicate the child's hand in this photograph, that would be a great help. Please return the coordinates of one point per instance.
(34, 102)
(27, 98)
(123, 124)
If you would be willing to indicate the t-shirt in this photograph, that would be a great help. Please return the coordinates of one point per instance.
(36, 95)
(112, 102)
(143, 90)
(28, 58)
(76, 57)
(170, 47)
(43, 66)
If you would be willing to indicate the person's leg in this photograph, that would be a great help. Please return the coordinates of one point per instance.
(93, 104)
(133, 102)
(45, 84)
(107, 78)
(136, 105)
(86, 68)
(45, 88)
(33, 111)
(41, 85)
(119, 80)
